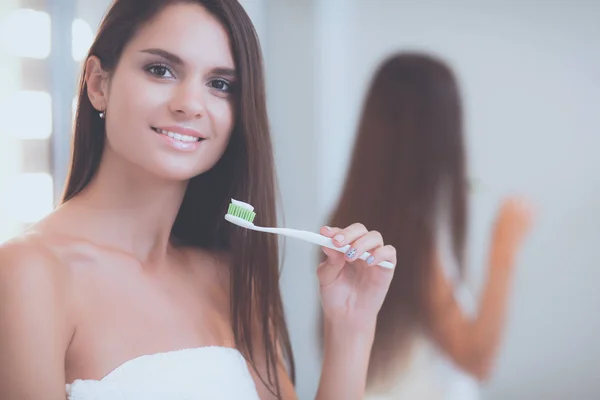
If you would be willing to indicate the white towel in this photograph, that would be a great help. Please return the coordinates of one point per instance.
(215, 373)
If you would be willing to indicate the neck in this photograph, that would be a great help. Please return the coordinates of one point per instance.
(130, 209)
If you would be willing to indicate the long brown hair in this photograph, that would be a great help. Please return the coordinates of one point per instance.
(409, 147)
(245, 172)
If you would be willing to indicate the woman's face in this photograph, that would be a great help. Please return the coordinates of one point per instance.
(170, 101)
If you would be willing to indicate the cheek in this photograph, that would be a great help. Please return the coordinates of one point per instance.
(133, 100)
(221, 111)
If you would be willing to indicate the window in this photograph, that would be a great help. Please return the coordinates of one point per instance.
(82, 38)
(27, 114)
(26, 33)
(29, 196)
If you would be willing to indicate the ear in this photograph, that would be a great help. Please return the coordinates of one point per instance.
(96, 80)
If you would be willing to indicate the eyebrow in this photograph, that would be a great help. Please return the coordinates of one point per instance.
(230, 72)
(175, 59)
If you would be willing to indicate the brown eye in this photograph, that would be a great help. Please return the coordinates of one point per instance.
(160, 71)
(221, 85)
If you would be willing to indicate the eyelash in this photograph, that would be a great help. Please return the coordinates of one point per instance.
(151, 69)
(224, 81)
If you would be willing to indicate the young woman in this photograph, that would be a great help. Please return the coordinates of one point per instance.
(408, 180)
(135, 286)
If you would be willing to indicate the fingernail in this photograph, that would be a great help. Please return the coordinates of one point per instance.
(339, 238)
(328, 228)
(351, 253)
(370, 260)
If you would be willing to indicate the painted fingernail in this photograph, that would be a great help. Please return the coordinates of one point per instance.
(339, 238)
(370, 260)
(351, 253)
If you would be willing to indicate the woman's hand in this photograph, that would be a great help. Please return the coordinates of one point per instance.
(353, 290)
(513, 222)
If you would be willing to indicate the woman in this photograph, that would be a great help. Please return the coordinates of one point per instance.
(135, 286)
(408, 180)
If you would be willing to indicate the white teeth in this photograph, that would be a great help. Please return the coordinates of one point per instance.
(178, 136)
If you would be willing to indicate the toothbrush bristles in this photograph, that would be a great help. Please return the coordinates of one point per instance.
(240, 212)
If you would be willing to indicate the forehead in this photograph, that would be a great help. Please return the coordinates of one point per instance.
(189, 31)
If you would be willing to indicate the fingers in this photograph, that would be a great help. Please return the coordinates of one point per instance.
(517, 209)
(329, 232)
(359, 240)
(514, 219)
(512, 224)
(367, 242)
(526, 211)
(342, 237)
(384, 253)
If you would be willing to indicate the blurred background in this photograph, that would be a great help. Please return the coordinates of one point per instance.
(530, 78)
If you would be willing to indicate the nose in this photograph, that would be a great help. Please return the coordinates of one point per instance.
(188, 101)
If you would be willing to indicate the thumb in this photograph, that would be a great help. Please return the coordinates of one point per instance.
(329, 270)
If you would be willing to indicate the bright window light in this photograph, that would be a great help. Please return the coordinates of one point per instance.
(83, 37)
(31, 196)
(27, 115)
(26, 33)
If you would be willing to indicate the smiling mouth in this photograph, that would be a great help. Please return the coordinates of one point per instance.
(177, 136)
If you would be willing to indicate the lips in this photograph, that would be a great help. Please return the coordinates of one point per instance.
(177, 136)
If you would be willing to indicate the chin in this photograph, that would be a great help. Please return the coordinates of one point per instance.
(176, 174)
(178, 171)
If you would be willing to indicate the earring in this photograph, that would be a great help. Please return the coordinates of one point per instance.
(102, 114)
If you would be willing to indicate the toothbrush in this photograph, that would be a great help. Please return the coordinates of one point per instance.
(242, 214)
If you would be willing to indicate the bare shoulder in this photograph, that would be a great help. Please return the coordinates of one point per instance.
(35, 324)
(31, 273)
(29, 260)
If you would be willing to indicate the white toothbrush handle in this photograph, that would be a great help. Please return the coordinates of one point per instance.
(317, 239)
